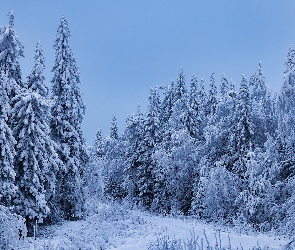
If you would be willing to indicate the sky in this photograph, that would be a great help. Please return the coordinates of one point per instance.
(123, 48)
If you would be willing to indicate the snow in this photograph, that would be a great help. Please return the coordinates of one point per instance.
(114, 227)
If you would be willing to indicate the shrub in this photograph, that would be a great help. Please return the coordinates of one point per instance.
(12, 229)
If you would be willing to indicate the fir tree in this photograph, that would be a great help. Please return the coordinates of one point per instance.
(67, 115)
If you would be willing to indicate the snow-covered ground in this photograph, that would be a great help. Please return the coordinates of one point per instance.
(116, 227)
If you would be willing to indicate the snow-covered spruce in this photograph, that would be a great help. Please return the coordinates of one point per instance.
(7, 143)
(67, 115)
(36, 162)
(11, 49)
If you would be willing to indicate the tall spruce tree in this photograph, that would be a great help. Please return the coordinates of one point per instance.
(67, 115)
(243, 131)
(36, 161)
(133, 136)
(151, 137)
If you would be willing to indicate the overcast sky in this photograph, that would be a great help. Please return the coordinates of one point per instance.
(123, 48)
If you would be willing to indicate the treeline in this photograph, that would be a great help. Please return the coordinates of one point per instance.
(43, 153)
(226, 157)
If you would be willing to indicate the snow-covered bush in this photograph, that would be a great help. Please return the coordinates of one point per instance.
(164, 242)
(12, 229)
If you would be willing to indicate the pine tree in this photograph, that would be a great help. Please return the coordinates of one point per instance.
(11, 49)
(36, 161)
(7, 143)
(67, 115)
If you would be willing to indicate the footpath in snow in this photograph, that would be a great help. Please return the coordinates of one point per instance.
(116, 227)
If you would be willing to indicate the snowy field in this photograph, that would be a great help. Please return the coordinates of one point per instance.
(116, 227)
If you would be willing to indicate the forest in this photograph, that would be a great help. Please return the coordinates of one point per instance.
(225, 156)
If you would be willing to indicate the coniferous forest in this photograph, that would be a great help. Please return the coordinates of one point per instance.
(43, 151)
(224, 156)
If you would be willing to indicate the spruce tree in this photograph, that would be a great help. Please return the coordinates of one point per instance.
(11, 49)
(114, 128)
(212, 97)
(263, 117)
(243, 131)
(67, 115)
(167, 103)
(195, 109)
(290, 60)
(151, 137)
(7, 143)
(98, 145)
(202, 97)
(133, 135)
(179, 88)
(36, 161)
(114, 163)
(224, 88)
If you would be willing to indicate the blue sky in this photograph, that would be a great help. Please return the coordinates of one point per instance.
(124, 48)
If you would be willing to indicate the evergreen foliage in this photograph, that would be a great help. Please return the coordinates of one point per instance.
(133, 136)
(11, 49)
(227, 158)
(36, 162)
(67, 114)
(7, 143)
